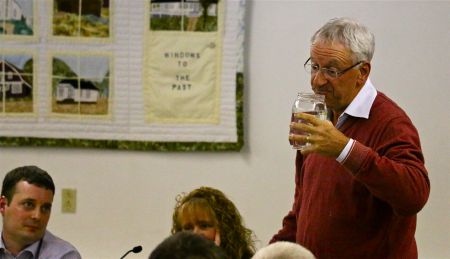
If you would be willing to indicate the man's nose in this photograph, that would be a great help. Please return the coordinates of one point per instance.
(36, 214)
(319, 78)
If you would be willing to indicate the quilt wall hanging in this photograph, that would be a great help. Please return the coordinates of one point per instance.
(163, 75)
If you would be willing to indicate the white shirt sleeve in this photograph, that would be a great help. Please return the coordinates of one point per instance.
(345, 152)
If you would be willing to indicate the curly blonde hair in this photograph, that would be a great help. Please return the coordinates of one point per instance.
(235, 239)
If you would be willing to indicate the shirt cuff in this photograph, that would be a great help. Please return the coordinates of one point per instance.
(346, 151)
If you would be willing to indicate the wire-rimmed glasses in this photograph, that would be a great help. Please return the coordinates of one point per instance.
(329, 72)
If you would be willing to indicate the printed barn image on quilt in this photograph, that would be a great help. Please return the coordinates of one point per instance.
(16, 84)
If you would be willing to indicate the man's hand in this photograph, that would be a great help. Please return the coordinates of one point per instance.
(322, 136)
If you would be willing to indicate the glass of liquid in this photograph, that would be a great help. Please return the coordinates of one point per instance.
(310, 103)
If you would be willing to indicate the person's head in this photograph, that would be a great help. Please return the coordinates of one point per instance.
(208, 212)
(25, 204)
(187, 245)
(340, 56)
(283, 250)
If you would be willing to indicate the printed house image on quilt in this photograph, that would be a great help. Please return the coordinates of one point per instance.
(80, 84)
(69, 91)
(183, 15)
(16, 17)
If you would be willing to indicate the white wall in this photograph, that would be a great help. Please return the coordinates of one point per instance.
(125, 198)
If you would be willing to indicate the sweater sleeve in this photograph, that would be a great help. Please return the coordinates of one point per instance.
(393, 170)
(288, 231)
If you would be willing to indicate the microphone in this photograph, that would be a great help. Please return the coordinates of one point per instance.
(136, 249)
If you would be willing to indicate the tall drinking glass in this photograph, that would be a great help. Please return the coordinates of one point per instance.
(310, 103)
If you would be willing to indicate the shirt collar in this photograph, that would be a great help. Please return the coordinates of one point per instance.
(31, 248)
(361, 104)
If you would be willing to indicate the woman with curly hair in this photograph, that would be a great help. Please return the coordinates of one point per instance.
(208, 212)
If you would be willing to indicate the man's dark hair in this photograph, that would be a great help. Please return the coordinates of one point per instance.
(31, 174)
(187, 245)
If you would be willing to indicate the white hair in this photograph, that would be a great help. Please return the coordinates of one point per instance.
(351, 33)
(283, 250)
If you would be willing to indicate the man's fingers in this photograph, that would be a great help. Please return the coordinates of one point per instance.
(308, 118)
(300, 126)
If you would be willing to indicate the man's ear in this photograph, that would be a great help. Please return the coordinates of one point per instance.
(3, 204)
(364, 71)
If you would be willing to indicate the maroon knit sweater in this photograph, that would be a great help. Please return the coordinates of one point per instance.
(365, 208)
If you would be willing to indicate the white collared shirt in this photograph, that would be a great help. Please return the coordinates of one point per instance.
(53, 247)
(359, 107)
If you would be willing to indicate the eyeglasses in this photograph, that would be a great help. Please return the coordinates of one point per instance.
(328, 72)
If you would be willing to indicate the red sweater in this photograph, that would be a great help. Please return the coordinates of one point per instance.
(365, 208)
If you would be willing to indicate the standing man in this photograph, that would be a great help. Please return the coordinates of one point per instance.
(25, 203)
(362, 180)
